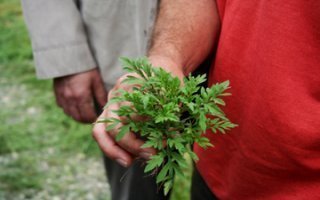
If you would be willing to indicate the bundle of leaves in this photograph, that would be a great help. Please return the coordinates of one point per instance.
(175, 115)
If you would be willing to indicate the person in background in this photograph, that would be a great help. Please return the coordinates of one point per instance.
(270, 52)
(77, 43)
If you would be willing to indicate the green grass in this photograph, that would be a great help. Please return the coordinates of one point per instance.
(30, 120)
(38, 143)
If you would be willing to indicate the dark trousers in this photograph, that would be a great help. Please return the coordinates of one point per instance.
(199, 188)
(132, 183)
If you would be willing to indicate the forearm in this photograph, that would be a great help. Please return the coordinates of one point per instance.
(185, 32)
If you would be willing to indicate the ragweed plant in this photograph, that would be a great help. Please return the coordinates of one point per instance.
(175, 115)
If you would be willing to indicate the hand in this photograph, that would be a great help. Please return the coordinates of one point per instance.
(75, 94)
(129, 147)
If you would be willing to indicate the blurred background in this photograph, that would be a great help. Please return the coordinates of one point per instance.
(43, 153)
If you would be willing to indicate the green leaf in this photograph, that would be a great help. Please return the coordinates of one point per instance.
(123, 130)
(193, 156)
(191, 106)
(155, 162)
(219, 101)
(214, 110)
(127, 64)
(178, 113)
(178, 170)
(145, 101)
(112, 101)
(202, 121)
(148, 144)
(180, 159)
(112, 126)
(133, 80)
(163, 173)
(167, 187)
(203, 142)
(225, 84)
(179, 146)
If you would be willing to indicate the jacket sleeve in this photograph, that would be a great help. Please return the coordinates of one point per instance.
(58, 37)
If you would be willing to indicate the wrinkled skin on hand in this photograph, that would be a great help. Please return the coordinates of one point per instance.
(129, 147)
(76, 94)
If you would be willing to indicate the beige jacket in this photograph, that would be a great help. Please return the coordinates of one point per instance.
(72, 36)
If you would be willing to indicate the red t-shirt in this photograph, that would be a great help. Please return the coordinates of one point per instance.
(270, 52)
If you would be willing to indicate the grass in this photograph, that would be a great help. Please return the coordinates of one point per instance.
(43, 153)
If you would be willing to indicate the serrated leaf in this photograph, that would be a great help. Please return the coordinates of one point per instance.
(221, 130)
(163, 173)
(145, 101)
(169, 110)
(132, 80)
(193, 156)
(178, 170)
(179, 146)
(214, 110)
(154, 162)
(203, 142)
(170, 142)
(112, 126)
(123, 130)
(148, 144)
(167, 187)
(219, 101)
(191, 106)
(180, 159)
(112, 101)
(202, 121)
(127, 64)
(225, 84)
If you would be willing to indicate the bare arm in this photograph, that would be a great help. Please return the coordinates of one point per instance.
(185, 32)
(184, 35)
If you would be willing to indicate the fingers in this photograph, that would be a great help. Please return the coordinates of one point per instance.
(109, 147)
(86, 112)
(129, 142)
(73, 112)
(78, 104)
(99, 92)
(129, 146)
(75, 94)
(123, 151)
(132, 144)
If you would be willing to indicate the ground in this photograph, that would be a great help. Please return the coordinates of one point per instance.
(43, 153)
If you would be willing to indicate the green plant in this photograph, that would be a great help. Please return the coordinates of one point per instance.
(175, 115)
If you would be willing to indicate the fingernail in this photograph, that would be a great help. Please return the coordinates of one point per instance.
(145, 155)
(123, 163)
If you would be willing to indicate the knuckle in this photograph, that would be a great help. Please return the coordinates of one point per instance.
(120, 80)
(130, 147)
(67, 95)
(87, 121)
(109, 153)
(75, 117)
(81, 120)
(78, 96)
